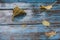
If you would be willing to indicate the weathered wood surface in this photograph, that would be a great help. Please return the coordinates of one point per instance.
(34, 29)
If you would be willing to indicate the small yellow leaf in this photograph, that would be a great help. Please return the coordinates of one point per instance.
(46, 23)
(18, 12)
(48, 7)
(24, 25)
(50, 34)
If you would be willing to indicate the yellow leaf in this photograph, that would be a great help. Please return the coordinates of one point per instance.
(17, 12)
(50, 34)
(24, 25)
(46, 23)
(48, 7)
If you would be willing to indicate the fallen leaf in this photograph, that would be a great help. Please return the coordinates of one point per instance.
(45, 23)
(50, 34)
